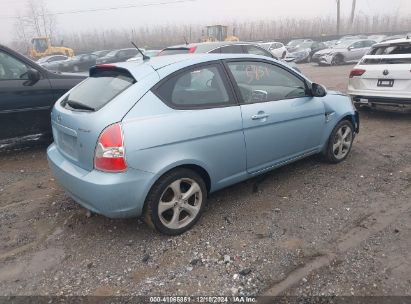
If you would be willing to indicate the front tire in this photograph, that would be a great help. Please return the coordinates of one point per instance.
(340, 142)
(337, 60)
(175, 202)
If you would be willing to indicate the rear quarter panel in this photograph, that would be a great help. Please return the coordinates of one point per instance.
(158, 138)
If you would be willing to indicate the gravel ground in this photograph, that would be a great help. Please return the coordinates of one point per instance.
(309, 228)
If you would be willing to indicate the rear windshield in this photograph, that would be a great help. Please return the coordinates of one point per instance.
(173, 51)
(97, 90)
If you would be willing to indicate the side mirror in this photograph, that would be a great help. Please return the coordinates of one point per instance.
(350, 48)
(258, 96)
(318, 90)
(33, 75)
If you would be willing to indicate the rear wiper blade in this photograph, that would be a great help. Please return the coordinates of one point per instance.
(79, 105)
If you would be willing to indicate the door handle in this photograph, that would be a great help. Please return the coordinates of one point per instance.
(259, 116)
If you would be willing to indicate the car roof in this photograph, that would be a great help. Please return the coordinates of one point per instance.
(392, 42)
(204, 46)
(159, 62)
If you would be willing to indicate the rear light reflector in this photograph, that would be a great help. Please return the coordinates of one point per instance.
(356, 72)
(192, 49)
(109, 155)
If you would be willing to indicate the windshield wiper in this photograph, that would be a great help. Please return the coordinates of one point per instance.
(79, 106)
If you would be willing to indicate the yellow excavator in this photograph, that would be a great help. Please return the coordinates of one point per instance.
(218, 33)
(41, 47)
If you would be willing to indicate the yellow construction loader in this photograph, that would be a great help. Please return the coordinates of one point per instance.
(41, 47)
(218, 33)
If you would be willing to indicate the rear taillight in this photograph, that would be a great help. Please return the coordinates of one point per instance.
(356, 72)
(109, 155)
(192, 49)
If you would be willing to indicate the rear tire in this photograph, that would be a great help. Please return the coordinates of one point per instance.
(175, 202)
(340, 142)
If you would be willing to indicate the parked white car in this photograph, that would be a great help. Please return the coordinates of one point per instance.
(276, 48)
(383, 76)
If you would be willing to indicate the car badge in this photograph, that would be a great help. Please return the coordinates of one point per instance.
(59, 118)
(385, 72)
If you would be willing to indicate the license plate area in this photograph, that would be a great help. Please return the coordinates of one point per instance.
(68, 144)
(387, 83)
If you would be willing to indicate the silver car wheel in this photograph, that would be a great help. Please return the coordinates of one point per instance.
(180, 203)
(342, 142)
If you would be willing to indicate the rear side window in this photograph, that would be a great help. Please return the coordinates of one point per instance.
(97, 90)
(200, 87)
(392, 50)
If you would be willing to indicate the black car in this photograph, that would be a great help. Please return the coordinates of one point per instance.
(304, 51)
(27, 94)
(78, 63)
(118, 56)
(101, 53)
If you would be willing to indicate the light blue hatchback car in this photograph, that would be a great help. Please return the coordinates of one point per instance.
(154, 138)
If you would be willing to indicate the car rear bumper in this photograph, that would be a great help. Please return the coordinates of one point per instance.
(115, 195)
(380, 100)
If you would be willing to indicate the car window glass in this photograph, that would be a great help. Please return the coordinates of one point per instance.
(232, 49)
(357, 45)
(11, 68)
(251, 49)
(259, 81)
(197, 87)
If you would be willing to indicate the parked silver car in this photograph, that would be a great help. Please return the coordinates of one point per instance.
(346, 51)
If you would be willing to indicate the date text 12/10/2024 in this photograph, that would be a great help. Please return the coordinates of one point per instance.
(203, 299)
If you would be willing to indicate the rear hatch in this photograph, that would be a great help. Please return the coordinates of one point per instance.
(388, 66)
(79, 117)
(387, 72)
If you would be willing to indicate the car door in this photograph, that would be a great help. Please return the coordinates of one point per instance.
(24, 104)
(281, 121)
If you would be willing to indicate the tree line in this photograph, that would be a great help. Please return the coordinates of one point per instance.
(38, 22)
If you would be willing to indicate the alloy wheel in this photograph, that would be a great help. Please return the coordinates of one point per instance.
(342, 142)
(180, 203)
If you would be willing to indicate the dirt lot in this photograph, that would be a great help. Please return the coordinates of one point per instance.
(309, 228)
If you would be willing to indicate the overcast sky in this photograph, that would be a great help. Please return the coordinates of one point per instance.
(196, 11)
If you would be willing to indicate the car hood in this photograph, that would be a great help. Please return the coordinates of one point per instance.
(300, 50)
(326, 51)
